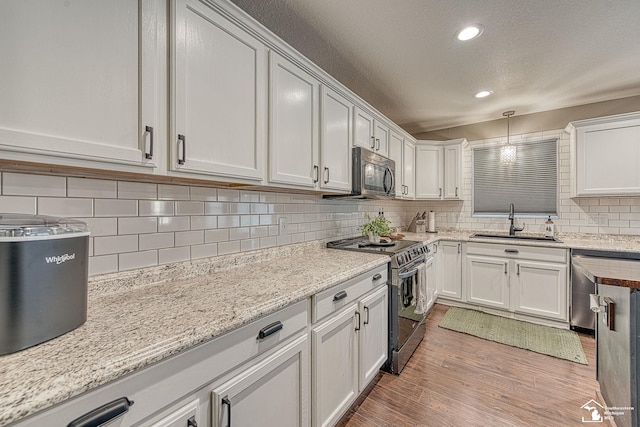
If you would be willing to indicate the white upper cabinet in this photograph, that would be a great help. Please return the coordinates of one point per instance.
(402, 152)
(80, 83)
(220, 91)
(439, 170)
(408, 170)
(363, 130)
(336, 114)
(370, 132)
(429, 176)
(293, 119)
(605, 154)
(382, 135)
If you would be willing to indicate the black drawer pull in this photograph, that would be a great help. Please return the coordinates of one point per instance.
(270, 329)
(512, 251)
(103, 414)
(227, 402)
(340, 295)
(377, 277)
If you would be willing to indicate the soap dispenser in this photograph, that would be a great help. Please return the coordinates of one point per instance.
(549, 228)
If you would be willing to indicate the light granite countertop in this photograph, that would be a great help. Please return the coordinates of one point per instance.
(141, 317)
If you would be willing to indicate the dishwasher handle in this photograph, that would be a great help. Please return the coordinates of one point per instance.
(103, 414)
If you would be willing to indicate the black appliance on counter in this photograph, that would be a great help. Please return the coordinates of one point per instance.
(406, 328)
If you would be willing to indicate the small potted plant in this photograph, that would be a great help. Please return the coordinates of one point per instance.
(376, 227)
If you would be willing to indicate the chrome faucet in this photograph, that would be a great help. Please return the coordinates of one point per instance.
(512, 227)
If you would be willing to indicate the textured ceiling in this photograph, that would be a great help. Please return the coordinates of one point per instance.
(402, 58)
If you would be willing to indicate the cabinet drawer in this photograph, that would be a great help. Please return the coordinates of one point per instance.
(333, 299)
(537, 253)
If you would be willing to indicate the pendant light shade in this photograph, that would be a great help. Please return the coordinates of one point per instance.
(508, 152)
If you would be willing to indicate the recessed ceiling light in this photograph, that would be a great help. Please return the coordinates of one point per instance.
(483, 93)
(470, 32)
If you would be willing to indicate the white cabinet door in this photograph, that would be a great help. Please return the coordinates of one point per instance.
(452, 171)
(382, 135)
(336, 114)
(220, 91)
(450, 270)
(363, 135)
(431, 273)
(396, 148)
(186, 416)
(541, 289)
(408, 170)
(374, 338)
(293, 119)
(79, 83)
(334, 367)
(429, 163)
(607, 154)
(488, 281)
(272, 393)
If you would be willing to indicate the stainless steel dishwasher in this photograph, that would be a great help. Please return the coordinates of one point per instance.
(582, 319)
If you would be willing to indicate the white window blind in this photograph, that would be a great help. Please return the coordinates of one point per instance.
(531, 183)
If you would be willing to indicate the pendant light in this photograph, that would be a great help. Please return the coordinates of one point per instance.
(508, 154)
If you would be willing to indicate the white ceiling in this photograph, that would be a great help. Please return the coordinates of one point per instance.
(401, 55)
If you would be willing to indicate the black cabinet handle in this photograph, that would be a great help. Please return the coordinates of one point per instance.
(373, 142)
(270, 330)
(326, 181)
(226, 401)
(358, 324)
(512, 251)
(315, 174)
(182, 140)
(103, 414)
(366, 310)
(340, 295)
(377, 276)
(191, 422)
(149, 154)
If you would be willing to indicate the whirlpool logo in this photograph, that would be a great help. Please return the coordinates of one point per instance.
(59, 259)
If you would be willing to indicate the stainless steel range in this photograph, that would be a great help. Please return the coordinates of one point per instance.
(406, 327)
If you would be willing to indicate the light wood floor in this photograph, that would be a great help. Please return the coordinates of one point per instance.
(454, 379)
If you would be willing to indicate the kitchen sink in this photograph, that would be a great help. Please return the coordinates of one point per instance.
(507, 237)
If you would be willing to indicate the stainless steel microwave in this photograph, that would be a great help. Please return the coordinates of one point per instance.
(373, 175)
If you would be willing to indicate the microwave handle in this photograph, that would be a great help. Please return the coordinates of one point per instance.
(384, 179)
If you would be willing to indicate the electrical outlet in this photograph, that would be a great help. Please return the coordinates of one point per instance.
(282, 225)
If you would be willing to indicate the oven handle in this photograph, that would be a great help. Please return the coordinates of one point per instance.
(408, 274)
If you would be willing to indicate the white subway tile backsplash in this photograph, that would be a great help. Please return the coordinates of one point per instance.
(226, 195)
(188, 238)
(93, 188)
(65, 207)
(189, 208)
(156, 207)
(229, 221)
(203, 194)
(239, 233)
(101, 226)
(204, 251)
(115, 208)
(167, 256)
(103, 264)
(249, 245)
(20, 184)
(249, 196)
(18, 204)
(173, 192)
(225, 248)
(139, 225)
(204, 222)
(240, 208)
(216, 208)
(136, 260)
(262, 231)
(213, 236)
(173, 223)
(115, 244)
(155, 241)
(137, 190)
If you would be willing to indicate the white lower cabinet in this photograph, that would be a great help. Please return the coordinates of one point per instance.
(450, 270)
(348, 346)
(488, 281)
(526, 281)
(273, 392)
(185, 416)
